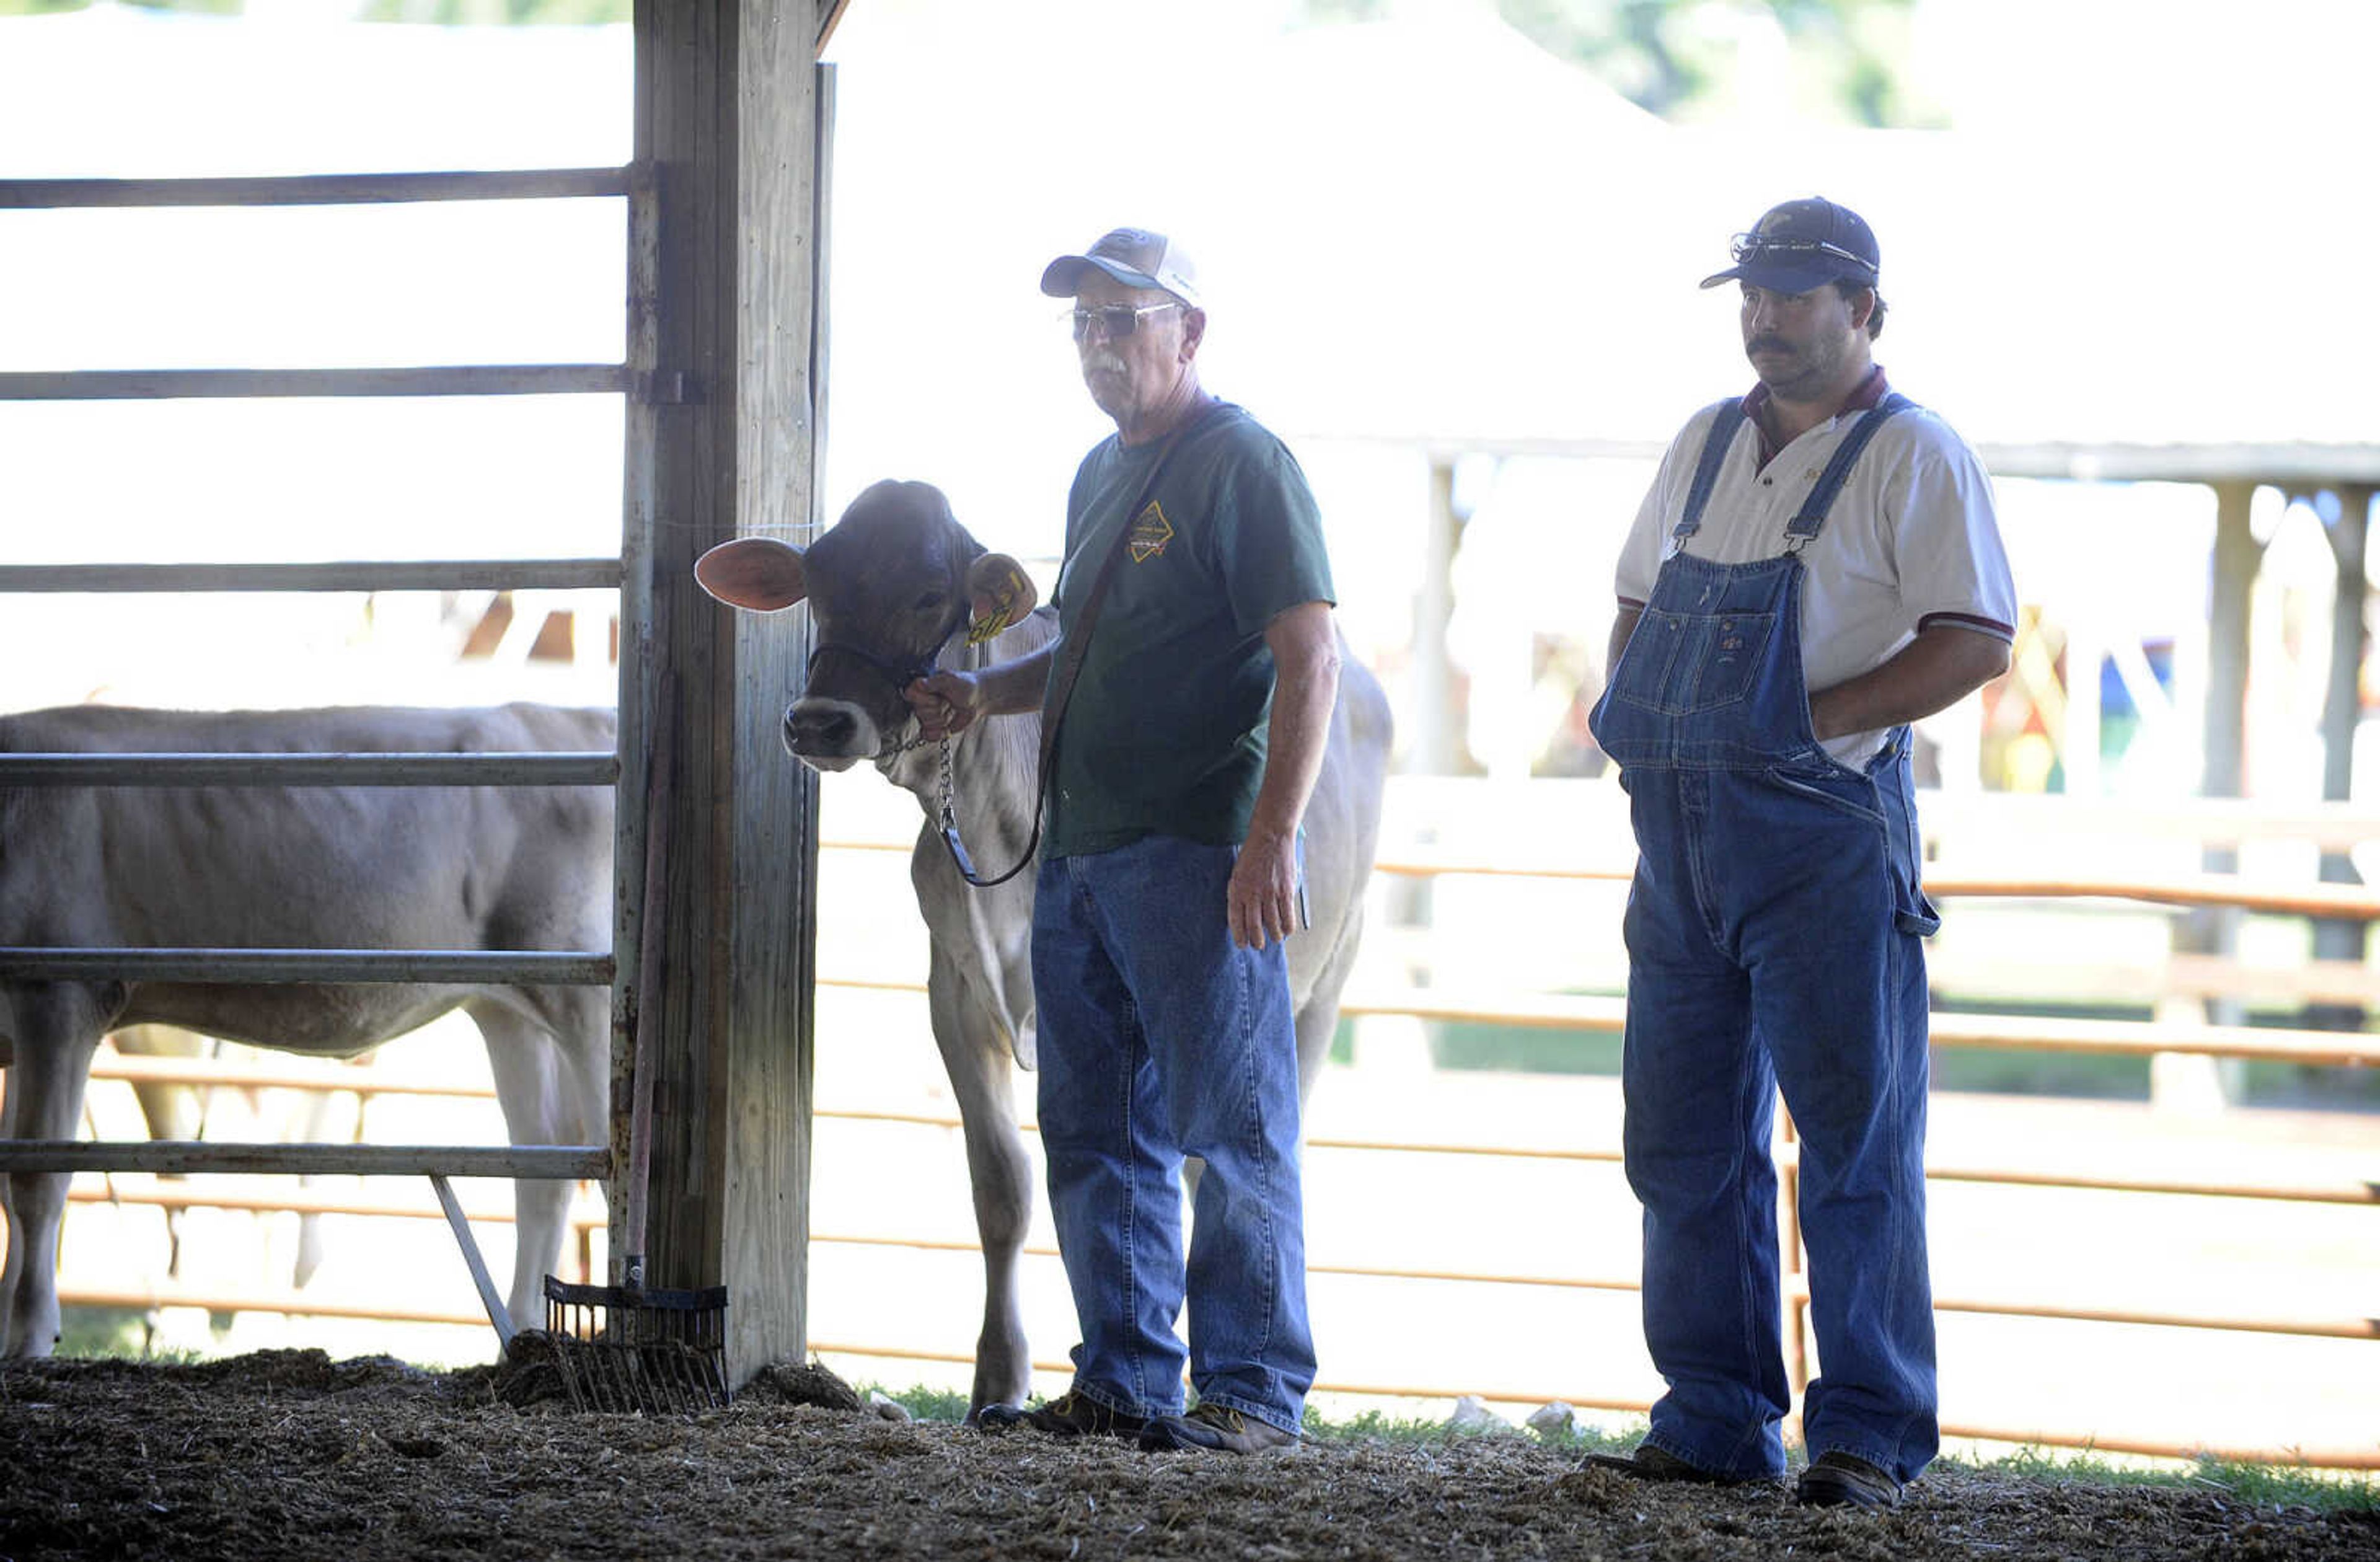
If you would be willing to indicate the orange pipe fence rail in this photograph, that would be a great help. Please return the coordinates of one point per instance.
(1587, 1013)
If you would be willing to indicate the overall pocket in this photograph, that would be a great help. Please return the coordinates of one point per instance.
(1692, 662)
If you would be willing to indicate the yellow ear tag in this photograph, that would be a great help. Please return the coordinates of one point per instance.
(994, 610)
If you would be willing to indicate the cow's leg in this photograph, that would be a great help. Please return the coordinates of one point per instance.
(554, 1083)
(314, 1128)
(1317, 1017)
(976, 1053)
(57, 1027)
(171, 1111)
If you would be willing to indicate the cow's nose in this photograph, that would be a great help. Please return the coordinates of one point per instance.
(816, 728)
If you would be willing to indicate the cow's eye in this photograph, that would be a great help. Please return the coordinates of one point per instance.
(932, 602)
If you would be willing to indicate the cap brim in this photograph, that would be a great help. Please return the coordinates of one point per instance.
(1779, 277)
(1063, 275)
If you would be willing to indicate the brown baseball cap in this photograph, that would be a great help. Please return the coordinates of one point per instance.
(1135, 257)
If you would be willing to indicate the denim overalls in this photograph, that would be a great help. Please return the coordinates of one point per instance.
(1772, 932)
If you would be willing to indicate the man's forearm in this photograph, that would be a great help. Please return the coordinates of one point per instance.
(1623, 626)
(1305, 687)
(1934, 671)
(1013, 687)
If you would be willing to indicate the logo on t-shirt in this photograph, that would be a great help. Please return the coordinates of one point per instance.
(1150, 534)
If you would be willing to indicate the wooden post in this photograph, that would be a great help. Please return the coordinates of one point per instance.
(722, 438)
(2342, 712)
(2176, 1079)
(1436, 743)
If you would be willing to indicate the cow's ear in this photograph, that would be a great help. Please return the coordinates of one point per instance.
(999, 594)
(759, 574)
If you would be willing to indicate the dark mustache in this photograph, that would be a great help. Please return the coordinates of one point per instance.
(1765, 344)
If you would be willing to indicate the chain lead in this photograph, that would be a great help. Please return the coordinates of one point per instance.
(949, 793)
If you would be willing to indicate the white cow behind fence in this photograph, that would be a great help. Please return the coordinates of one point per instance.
(182, 1111)
(298, 867)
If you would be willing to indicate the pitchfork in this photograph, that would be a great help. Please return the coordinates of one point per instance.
(630, 1346)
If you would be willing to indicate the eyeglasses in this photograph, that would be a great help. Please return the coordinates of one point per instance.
(1750, 247)
(1117, 321)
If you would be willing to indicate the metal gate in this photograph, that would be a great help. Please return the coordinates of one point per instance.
(627, 572)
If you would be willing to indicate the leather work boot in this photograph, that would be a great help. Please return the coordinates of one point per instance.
(1648, 1462)
(1841, 1480)
(1214, 1427)
(1069, 1415)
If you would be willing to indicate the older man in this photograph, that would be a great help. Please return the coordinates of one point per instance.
(1816, 566)
(1190, 692)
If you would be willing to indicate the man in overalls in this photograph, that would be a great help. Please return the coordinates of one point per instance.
(1816, 566)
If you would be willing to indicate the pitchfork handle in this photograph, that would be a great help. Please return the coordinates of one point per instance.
(659, 754)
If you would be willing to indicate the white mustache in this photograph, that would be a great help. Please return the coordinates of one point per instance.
(1104, 362)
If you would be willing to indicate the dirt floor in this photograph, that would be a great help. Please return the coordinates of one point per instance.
(288, 1454)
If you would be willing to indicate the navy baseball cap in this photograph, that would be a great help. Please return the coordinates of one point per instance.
(1801, 246)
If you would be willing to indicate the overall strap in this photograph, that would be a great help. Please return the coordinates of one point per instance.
(1805, 525)
(1714, 446)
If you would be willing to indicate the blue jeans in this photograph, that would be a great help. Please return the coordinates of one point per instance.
(1160, 1040)
(1772, 936)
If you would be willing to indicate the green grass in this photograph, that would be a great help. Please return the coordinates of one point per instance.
(925, 1404)
(2256, 1484)
(1522, 1049)
(1484, 1047)
(115, 1332)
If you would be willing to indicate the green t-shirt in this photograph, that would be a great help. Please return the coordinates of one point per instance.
(1165, 731)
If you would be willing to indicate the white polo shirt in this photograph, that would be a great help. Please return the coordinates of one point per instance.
(1912, 540)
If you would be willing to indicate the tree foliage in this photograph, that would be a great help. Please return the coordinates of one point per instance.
(506, 13)
(43, 8)
(1691, 59)
(1683, 58)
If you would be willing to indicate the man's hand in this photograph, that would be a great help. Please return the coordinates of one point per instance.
(946, 704)
(1262, 898)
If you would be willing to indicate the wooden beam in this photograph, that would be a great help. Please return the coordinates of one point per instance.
(2275, 463)
(722, 292)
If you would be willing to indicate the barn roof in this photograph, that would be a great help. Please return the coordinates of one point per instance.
(1427, 230)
